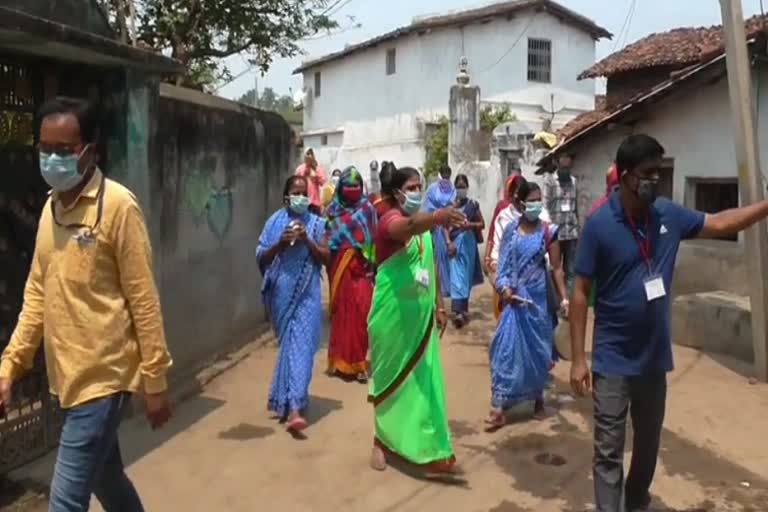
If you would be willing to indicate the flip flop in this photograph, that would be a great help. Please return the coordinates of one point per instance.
(297, 424)
(495, 421)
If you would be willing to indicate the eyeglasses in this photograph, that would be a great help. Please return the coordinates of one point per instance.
(89, 230)
(60, 151)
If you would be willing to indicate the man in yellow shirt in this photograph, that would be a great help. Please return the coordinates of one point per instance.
(91, 293)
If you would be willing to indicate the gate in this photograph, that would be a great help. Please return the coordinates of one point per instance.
(30, 426)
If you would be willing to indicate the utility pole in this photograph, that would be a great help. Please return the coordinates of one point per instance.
(750, 175)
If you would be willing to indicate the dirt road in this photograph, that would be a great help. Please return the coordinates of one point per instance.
(224, 453)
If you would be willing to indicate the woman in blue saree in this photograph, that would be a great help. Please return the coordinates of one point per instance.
(441, 194)
(465, 269)
(521, 351)
(290, 257)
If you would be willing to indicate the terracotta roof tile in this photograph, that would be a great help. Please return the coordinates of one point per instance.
(581, 122)
(676, 48)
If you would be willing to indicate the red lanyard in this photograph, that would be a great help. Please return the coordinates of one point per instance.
(645, 243)
(420, 241)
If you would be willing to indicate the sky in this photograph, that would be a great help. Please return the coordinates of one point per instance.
(379, 16)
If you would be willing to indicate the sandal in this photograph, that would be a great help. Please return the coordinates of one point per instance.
(297, 424)
(495, 420)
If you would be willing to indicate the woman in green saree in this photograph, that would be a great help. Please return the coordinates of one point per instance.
(406, 319)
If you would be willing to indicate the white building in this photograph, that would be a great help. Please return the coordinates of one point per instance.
(376, 100)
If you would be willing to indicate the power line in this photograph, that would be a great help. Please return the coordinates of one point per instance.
(629, 23)
(330, 7)
(340, 7)
(509, 50)
(336, 6)
(624, 26)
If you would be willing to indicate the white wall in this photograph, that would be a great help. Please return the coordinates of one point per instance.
(695, 128)
(381, 115)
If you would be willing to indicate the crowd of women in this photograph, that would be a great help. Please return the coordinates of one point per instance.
(392, 259)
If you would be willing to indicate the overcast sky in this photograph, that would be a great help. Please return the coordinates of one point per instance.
(379, 16)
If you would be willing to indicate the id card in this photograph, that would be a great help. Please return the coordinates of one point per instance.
(654, 288)
(84, 239)
(565, 207)
(422, 277)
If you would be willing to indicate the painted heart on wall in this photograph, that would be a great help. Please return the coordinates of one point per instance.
(219, 211)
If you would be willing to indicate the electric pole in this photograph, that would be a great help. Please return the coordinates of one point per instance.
(750, 174)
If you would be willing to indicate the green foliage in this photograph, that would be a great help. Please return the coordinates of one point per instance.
(269, 100)
(492, 116)
(201, 33)
(437, 144)
(437, 148)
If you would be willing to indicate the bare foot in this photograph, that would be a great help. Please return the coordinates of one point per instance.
(378, 459)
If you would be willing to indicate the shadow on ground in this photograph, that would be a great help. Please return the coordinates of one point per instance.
(23, 489)
(552, 466)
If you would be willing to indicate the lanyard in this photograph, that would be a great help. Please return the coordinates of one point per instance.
(99, 212)
(420, 241)
(645, 244)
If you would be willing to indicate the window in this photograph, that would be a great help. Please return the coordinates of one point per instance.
(540, 60)
(667, 178)
(712, 195)
(324, 140)
(318, 84)
(391, 61)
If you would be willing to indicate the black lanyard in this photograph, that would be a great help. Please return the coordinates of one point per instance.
(99, 213)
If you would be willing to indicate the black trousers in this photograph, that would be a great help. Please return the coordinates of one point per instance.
(644, 398)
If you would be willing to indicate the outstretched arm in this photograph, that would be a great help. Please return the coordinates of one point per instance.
(403, 228)
(730, 222)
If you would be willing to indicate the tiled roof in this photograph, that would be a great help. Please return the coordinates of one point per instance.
(481, 14)
(583, 124)
(582, 121)
(676, 48)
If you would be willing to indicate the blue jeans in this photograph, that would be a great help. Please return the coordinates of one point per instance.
(89, 460)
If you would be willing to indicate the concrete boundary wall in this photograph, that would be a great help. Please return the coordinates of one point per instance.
(217, 171)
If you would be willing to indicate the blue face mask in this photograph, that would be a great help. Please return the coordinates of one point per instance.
(412, 202)
(298, 204)
(533, 210)
(60, 172)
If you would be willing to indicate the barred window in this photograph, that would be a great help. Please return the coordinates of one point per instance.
(539, 60)
(391, 61)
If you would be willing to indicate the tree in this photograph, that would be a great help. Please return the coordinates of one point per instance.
(437, 144)
(492, 116)
(437, 148)
(269, 100)
(201, 33)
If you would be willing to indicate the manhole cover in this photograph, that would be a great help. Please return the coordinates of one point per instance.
(550, 459)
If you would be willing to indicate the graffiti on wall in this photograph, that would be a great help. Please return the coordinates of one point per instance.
(208, 202)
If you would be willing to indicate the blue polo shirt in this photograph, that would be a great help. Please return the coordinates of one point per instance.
(632, 335)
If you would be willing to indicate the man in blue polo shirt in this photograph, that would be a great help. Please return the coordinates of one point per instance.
(628, 248)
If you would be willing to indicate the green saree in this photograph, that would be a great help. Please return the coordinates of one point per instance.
(407, 387)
